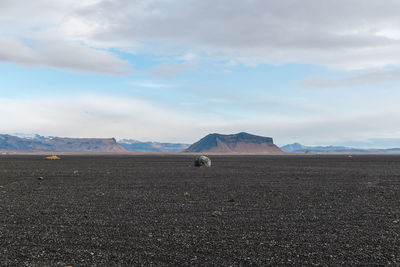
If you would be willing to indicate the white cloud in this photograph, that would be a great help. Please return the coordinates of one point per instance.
(149, 84)
(31, 34)
(98, 116)
(61, 55)
(344, 34)
(358, 79)
(187, 57)
(227, 71)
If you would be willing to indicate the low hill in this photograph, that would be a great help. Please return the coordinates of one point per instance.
(298, 148)
(137, 146)
(235, 143)
(58, 144)
(293, 148)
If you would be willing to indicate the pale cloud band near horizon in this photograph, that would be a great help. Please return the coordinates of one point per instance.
(101, 116)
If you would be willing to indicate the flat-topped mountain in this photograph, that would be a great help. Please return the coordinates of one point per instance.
(58, 144)
(235, 143)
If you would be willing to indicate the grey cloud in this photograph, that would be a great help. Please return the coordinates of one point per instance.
(344, 34)
(61, 55)
(38, 23)
(367, 78)
(14, 51)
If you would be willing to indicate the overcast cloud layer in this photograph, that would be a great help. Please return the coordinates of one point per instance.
(345, 34)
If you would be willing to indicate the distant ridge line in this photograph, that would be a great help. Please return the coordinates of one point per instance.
(59, 144)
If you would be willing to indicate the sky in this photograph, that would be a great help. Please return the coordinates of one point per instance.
(315, 72)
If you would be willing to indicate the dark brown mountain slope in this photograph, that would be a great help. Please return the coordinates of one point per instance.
(235, 143)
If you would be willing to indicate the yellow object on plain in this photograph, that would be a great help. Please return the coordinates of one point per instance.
(52, 158)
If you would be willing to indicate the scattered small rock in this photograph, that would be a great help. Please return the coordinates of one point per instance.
(202, 161)
(186, 194)
(216, 213)
(76, 172)
(231, 200)
(41, 178)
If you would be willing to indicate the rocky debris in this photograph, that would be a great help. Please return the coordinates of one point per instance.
(216, 213)
(41, 178)
(296, 210)
(202, 161)
(100, 194)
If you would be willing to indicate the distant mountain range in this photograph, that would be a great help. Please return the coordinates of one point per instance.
(58, 144)
(235, 143)
(212, 143)
(137, 146)
(38, 143)
(299, 148)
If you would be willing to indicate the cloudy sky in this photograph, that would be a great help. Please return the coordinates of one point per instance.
(315, 72)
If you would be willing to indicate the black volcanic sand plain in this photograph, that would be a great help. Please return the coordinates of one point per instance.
(160, 210)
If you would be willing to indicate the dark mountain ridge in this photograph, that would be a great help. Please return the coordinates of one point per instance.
(59, 144)
(234, 143)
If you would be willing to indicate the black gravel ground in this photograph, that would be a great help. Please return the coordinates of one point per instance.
(160, 210)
